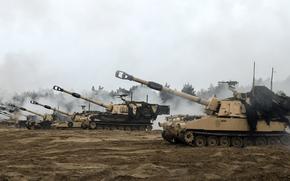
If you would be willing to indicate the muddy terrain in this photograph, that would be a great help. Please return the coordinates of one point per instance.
(119, 155)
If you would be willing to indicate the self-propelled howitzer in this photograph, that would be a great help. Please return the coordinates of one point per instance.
(45, 123)
(130, 115)
(241, 120)
(68, 116)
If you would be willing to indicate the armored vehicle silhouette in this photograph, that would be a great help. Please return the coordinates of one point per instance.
(68, 117)
(258, 117)
(130, 115)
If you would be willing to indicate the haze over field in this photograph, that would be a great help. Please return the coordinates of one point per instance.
(77, 44)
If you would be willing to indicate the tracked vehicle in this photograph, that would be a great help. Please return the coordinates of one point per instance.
(33, 122)
(130, 115)
(75, 120)
(68, 117)
(258, 117)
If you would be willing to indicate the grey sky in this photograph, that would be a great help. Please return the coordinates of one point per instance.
(77, 44)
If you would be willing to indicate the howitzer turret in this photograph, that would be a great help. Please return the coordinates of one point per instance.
(129, 115)
(257, 117)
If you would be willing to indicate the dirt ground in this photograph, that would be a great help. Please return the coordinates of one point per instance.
(119, 155)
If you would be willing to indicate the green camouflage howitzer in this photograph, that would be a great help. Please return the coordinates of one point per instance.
(130, 115)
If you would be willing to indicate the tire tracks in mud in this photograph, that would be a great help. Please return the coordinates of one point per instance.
(120, 155)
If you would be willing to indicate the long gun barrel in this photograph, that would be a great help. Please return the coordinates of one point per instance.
(159, 87)
(50, 108)
(2, 108)
(5, 114)
(8, 110)
(26, 110)
(76, 95)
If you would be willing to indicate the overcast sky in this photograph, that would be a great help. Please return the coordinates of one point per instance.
(80, 43)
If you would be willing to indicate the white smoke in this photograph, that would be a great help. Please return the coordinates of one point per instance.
(198, 41)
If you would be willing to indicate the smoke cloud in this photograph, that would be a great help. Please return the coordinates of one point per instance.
(76, 44)
(81, 43)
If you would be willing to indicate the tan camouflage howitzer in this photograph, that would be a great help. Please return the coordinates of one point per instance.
(238, 121)
(69, 122)
(131, 115)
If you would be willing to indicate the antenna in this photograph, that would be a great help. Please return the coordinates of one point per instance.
(254, 75)
(272, 78)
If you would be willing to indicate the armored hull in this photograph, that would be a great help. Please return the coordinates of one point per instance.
(214, 131)
(116, 121)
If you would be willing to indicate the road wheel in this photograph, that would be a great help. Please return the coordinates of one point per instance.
(84, 126)
(285, 140)
(261, 141)
(249, 142)
(237, 142)
(225, 141)
(168, 137)
(200, 141)
(212, 141)
(188, 137)
(70, 124)
(273, 141)
(28, 126)
(93, 125)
